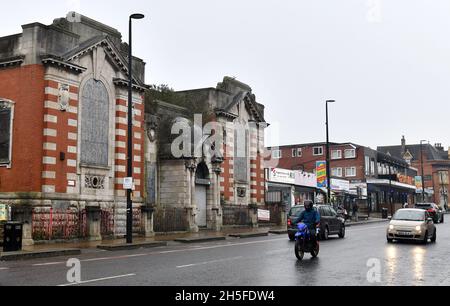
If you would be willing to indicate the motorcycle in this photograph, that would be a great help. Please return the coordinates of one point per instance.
(304, 243)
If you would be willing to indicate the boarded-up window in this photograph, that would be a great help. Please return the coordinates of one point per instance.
(5, 132)
(94, 124)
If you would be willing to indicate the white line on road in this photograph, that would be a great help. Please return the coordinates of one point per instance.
(209, 262)
(163, 252)
(3, 269)
(366, 228)
(220, 246)
(97, 280)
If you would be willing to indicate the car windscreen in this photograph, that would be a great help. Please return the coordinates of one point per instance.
(409, 215)
(296, 211)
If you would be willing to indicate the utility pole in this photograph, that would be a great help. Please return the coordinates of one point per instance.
(328, 154)
(421, 165)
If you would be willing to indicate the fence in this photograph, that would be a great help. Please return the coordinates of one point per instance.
(54, 224)
(235, 215)
(170, 220)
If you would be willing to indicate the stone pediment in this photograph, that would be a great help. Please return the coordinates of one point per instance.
(250, 104)
(91, 45)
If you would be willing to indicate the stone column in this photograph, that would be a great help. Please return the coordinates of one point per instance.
(94, 223)
(147, 221)
(24, 214)
(253, 212)
(216, 211)
(191, 208)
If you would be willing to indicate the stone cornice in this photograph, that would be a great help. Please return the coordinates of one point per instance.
(12, 61)
(56, 61)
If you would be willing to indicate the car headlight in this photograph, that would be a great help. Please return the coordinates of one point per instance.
(418, 228)
(391, 227)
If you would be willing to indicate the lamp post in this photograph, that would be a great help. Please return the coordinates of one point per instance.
(421, 166)
(130, 131)
(328, 154)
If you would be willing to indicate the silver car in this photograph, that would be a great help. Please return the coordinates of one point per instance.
(411, 224)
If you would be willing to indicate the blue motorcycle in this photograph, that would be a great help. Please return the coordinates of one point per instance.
(304, 242)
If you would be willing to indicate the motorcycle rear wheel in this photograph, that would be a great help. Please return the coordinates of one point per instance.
(299, 252)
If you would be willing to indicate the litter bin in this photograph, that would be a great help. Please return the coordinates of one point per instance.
(12, 236)
(384, 213)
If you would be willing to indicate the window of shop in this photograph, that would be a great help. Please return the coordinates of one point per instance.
(276, 154)
(350, 171)
(317, 151)
(336, 154)
(336, 172)
(297, 152)
(350, 153)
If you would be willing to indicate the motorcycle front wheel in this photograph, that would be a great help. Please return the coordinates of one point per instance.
(315, 251)
(299, 252)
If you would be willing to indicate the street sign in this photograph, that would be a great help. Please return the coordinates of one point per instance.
(128, 183)
(263, 215)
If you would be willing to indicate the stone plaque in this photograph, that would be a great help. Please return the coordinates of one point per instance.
(241, 166)
(94, 124)
(151, 183)
(63, 97)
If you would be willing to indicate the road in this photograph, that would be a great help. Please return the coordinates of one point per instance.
(259, 261)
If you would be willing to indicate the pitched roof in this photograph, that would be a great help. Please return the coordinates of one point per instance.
(429, 152)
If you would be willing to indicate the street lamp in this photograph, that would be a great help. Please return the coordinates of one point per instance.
(328, 155)
(130, 131)
(421, 166)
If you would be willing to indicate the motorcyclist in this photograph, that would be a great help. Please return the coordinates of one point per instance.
(310, 217)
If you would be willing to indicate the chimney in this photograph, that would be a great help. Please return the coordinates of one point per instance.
(439, 147)
(403, 145)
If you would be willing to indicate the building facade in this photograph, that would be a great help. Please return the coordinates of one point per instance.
(206, 160)
(63, 118)
(374, 179)
(435, 162)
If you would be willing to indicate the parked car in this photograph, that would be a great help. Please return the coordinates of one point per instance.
(434, 210)
(330, 222)
(411, 224)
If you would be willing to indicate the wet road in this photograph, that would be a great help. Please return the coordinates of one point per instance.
(260, 261)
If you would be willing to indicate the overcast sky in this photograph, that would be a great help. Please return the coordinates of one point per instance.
(386, 62)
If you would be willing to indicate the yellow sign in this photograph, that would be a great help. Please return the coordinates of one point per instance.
(3, 212)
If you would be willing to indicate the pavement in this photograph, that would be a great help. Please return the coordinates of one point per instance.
(362, 258)
(42, 250)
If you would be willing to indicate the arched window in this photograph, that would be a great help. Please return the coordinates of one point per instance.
(6, 119)
(94, 124)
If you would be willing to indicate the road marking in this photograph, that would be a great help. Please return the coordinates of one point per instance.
(48, 264)
(366, 228)
(91, 259)
(97, 280)
(208, 262)
(162, 252)
(220, 246)
(3, 269)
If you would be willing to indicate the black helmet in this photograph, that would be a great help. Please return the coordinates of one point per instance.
(309, 205)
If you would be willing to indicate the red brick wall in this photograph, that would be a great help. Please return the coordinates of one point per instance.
(122, 128)
(307, 161)
(25, 87)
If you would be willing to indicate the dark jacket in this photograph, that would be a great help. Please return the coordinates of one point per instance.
(310, 218)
